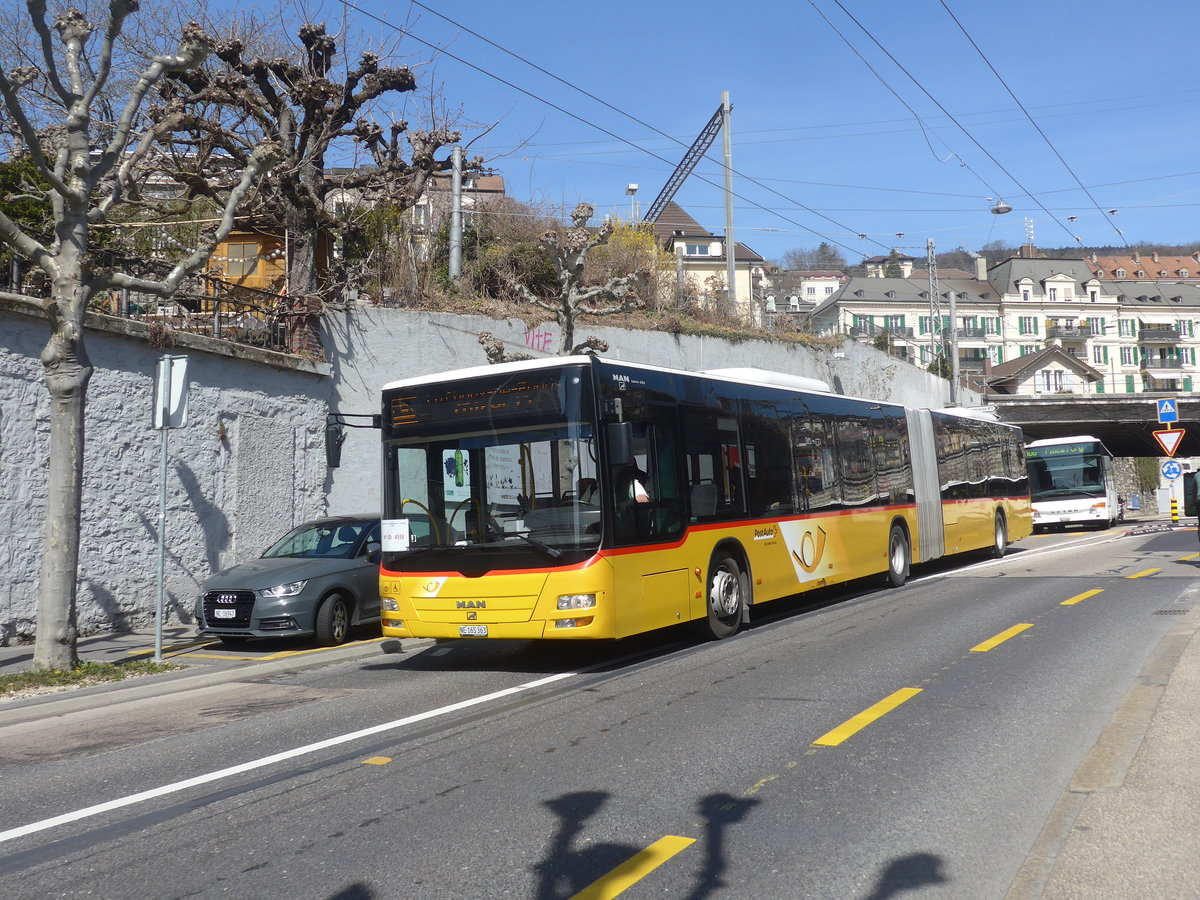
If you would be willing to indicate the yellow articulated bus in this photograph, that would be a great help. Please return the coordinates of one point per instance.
(579, 497)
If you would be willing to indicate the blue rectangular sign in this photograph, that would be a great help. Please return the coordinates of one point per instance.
(1168, 410)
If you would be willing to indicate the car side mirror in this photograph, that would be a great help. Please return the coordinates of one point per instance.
(374, 549)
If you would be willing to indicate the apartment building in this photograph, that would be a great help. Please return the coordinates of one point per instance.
(1133, 336)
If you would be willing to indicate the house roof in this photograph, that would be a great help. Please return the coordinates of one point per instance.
(907, 292)
(673, 222)
(1032, 362)
(1009, 273)
(1153, 264)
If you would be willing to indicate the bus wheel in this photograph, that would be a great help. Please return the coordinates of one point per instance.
(1000, 545)
(728, 593)
(898, 556)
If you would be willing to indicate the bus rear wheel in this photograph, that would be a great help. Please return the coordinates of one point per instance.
(898, 557)
(1000, 545)
(728, 594)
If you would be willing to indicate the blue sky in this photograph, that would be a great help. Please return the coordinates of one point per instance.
(824, 149)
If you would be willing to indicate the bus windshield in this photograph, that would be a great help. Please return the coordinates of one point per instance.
(1067, 472)
(475, 485)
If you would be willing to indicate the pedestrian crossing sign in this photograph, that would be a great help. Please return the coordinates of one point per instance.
(1168, 410)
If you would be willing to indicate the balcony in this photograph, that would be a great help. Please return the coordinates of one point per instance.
(1069, 332)
(1159, 334)
(971, 364)
(974, 334)
(1172, 364)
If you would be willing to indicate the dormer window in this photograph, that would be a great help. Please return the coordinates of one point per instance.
(860, 293)
(1183, 273)
(1120, 273)
(889, 294)
(1140, 273)
(1162, 273)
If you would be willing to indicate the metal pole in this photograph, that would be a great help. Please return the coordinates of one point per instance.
(456, 216)
(935, 306)
(952, 296)
(730, 243)
(164, 391)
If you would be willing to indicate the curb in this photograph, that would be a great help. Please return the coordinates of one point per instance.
(18, 712)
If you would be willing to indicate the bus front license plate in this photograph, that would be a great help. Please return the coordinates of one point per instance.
(472, 631)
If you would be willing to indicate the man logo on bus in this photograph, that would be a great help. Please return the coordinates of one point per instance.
(812, 548)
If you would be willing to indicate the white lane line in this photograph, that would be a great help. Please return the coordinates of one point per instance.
(250, 766)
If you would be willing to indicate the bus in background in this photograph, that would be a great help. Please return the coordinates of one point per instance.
(1071, 482)
(578, 497)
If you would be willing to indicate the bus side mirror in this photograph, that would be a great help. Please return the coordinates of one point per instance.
(335, 436)
(620, 443)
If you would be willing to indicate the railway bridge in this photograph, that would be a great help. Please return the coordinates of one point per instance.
(1125, 423)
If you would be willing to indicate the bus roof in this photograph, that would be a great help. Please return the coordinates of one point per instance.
(1076, 439)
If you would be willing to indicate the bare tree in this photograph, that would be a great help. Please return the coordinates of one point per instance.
(569, 255)
(307, 106)
(89, 168)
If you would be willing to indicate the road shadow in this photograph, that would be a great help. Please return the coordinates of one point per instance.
(908, 873)
(571, 863)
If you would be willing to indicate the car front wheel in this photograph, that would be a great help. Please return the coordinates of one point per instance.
(333, 621)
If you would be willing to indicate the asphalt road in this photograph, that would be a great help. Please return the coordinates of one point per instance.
(866, 745)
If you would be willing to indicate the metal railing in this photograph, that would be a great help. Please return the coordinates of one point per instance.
(203, 305)
(1159, 335)
(1170, 363)
(1069, 332)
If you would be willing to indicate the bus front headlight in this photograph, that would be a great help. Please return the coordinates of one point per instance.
(389, 604)
(576, 601)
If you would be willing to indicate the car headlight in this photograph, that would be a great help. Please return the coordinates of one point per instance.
(290, 589)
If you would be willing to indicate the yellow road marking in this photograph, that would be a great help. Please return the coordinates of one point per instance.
(1000, 638)
(1085, 595)
(1144, 574)
(635, 869)
(1189, 556)
(853, 726)
(377, 761)
(765, 781)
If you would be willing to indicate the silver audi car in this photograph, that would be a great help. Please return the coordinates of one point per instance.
(319, 579)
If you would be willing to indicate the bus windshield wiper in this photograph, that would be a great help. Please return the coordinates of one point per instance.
(552, 552)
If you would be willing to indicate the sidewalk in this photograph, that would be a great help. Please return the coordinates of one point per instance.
(1128, 825)
(204, 661)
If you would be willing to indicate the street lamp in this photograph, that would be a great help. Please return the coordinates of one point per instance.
(630, 191)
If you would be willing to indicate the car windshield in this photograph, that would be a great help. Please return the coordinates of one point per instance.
(336, 539)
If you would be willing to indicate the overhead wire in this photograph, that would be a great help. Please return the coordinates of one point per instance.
(950, 115)
(351, 5)
(1032, 121)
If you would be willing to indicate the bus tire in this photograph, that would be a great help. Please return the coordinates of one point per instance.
(727, 595)
(899, 555)
(1000, 543)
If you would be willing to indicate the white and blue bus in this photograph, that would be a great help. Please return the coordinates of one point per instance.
(1071, 482)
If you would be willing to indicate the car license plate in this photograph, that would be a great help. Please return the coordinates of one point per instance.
(472, 631)
(224, 613)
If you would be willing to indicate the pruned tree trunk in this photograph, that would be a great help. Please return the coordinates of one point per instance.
(68, 371)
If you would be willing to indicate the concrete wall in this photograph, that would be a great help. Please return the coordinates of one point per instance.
(249, 464)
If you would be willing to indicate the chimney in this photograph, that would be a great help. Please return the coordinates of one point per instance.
(1156, 256)
(1136, 257)
(980, 268)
